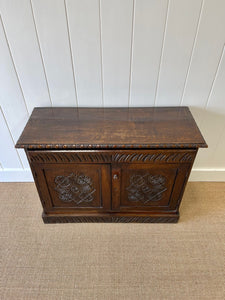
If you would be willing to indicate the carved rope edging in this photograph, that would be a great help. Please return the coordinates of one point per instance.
(111, 146)
(109, 219)
(110, 157)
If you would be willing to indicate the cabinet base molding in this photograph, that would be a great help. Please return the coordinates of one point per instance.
(169, 218)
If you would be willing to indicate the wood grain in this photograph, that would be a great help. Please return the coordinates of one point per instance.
(93, 128)
(110, 219)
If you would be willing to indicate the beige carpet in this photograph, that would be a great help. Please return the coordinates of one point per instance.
(113, 261)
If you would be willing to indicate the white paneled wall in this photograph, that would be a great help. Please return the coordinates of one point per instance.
(25, 53)
(86, 50)
(149, 29)
(112, 53)
(52, 34)
(180, 31)
(116, 27)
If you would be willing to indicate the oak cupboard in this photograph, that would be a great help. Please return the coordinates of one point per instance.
(111, 164)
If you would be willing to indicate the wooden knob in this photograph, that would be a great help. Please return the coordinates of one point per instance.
(115, 176)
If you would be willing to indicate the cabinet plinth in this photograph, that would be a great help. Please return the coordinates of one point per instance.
(111, 165)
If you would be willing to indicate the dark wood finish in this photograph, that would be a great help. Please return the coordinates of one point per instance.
(112, 156)
(173, 218)
(160, 127)
(69, 187)
(79, 183)
(145, 187)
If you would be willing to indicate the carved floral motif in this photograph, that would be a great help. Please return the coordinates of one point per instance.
(75, 187)
(146, 188)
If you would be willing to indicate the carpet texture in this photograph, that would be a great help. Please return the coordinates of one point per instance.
(113, 261)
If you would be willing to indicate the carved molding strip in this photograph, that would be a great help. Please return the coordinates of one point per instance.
(133, 157)
(146, 188)
(154, 157)
(68, 157)
(110, 146)
(119, 219)
(75, 187)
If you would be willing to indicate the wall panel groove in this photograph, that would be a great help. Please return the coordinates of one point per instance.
(207, 52)
(12, 102)
(12, 159)
(161, 53)
(179, 37)
(101, 55)
(116, 41)
(131, 51)
(41, 55)
(13, 64)
(192, 51)
(215, 77)
(71, 53)
(10, 134)
(83, 20)
(213, 122)
(20, 32)
(149, 27)
(51, 26)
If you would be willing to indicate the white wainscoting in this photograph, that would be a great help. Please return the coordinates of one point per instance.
(112, 53)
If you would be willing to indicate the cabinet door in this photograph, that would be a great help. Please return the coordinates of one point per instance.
(73, 187)
(143, 187)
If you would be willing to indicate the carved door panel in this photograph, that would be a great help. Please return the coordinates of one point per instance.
(74, 187)
(147, 187)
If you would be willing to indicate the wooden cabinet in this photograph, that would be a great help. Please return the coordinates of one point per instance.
(101, 176)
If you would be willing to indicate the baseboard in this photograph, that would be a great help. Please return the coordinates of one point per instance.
(25, 175)
(16, 175)
(207, 175)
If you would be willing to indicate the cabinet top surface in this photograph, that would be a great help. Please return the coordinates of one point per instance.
(76, 128)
